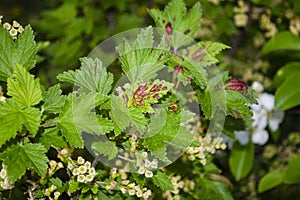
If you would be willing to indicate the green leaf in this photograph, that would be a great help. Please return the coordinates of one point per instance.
(56, 181)
(73, 187)
(175, 14)
(12, 117)
(22, 51)
(51, 137)
(213, 48)
(172, 133)
(237, 104)
(284, 72)
(77, 116)
(53, 100)
(120, 113)
(270, 181)
(241, 160)
(106, 148)
(18, 158)
(292, 173)
(23, 88)
(157, 122)
(282, 41)
(162, 181)
(92, 77)
(288, 94)
(214, 190)
(140, 59)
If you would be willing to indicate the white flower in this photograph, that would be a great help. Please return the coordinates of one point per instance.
(147, 163)
(92, 171)
(2, 98)
(64, 151)
(144, 155)
(147, 194)
(87, 164)
(80, 160)
(131, 192)
(56, 194)
(20, 29)
(139, 193)
(82, 169)
(141, 170)
(148, 174)
(15, 24)
(89, 178)
(264, 114)
(2, 174)
(154, 164)
(7, 25)
(75, 172)
(13, 32)
(81, 178)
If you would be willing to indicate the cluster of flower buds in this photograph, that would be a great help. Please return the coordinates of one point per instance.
(178, 185)
(82, 170)
(207, 145)
(13, 29)
(267, 25)
(51, 190)
(146, 166)
(54, 166)
(133, 189)
(127, 187)
(237, 85)
(4, 182)
(240, 16)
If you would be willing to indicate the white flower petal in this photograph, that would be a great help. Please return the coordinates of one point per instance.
(256, 107)
(260, 137)
(257, 86)
(267, 101)
(275, 119)
(242, 137)
(260, 119)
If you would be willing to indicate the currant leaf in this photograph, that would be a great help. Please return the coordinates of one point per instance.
(141, 59)
(13, 116)
(23, 88)
(18, 158)
(92, 77)
(22, 51)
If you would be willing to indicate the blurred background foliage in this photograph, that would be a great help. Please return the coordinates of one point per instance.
(69, 29)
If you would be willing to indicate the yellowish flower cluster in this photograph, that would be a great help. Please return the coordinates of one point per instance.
(4, 182)
(267, 25)
(207, 25)
(50, 190)
(207, 145)
(13, 29)
(146, 166)
(178, 184)
(54, 166)
(295, 25)
(127, 187)
(241, 17)
(83, 170)
(2, 98)
(282, 154)
(214, 2)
